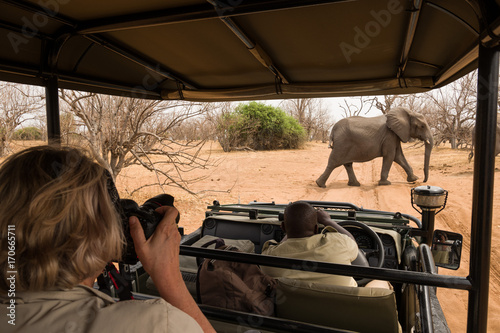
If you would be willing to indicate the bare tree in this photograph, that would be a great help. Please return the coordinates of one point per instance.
(452, 110)
(389, 101)
(18, 104)
(303, 110)
(197, 128)
(124, 131)
(216, 117)
(312, 115)
(68, 124)
(415, 102)
(324, 124)
(359, 106)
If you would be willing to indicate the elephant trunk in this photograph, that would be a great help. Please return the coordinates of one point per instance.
(429, 143)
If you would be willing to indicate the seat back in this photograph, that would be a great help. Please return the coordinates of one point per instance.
(351, 308)
(189, 266)
(258, 231)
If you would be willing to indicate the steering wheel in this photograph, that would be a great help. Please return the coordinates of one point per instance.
(363, 255)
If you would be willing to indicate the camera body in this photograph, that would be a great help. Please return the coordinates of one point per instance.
(148, 217)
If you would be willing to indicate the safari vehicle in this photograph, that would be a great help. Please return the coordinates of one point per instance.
(236, 50)
(397, 246)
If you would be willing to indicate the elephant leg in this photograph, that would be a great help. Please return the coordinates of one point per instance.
(401, 160)
(321, 181)
(386, 167)
(353, 181)
(332, 164)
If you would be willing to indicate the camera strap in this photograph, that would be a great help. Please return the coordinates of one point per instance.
(111, 278)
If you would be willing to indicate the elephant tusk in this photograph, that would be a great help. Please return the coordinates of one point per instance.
(427, 142)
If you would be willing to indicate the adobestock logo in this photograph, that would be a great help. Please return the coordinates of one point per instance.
(31, 25)
(364, 35)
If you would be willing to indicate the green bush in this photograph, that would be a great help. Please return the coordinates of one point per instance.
(28, 133)
(260, 127)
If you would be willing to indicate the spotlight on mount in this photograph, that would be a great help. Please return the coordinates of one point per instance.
(428, 198)
(431, 200)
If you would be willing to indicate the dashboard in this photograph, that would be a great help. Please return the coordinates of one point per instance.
(259, 232)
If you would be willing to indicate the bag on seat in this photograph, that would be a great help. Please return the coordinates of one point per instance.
(235, 286)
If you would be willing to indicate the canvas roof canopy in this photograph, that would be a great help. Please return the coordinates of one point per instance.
(219, 50)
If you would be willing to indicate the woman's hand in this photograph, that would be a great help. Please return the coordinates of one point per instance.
(159, 254)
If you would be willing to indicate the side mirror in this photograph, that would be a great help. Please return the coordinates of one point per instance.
(447, 249)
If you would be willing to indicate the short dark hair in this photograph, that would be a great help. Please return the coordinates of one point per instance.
(300, 218)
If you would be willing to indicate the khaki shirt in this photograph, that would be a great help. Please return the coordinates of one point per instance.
(331, 247)
(84, 309)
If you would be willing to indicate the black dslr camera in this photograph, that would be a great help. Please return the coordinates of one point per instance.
(146, 214)
(148, 217)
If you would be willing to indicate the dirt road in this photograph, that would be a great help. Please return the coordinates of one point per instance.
(284, 176)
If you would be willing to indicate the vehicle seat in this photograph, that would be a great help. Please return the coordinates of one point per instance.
(189, 266)
(359, 309)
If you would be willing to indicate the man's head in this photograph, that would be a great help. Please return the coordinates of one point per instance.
(300, 220)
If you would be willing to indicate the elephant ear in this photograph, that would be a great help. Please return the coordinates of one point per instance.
(398, 120)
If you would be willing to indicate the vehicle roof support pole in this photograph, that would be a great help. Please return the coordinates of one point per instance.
(52, 108)
(482, 198)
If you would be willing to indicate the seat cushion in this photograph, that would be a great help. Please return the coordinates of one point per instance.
(352, 308)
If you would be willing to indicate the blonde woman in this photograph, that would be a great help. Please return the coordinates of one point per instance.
(58, 229)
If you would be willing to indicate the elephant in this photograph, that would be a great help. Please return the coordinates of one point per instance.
(361, 139)
(497, 142)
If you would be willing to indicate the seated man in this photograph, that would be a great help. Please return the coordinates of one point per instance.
(302, 241)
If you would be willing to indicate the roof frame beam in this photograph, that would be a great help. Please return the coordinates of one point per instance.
(34, 8)
(417, 6)
(192, 13)
(67, 33)
(256, 50)
(304, 90)
(471, 55)
(69, 78)
(410, 35)
(19, 30)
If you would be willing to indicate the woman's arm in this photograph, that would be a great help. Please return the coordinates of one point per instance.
(159, 256)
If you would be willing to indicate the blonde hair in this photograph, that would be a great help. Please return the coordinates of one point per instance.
(66, 226)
